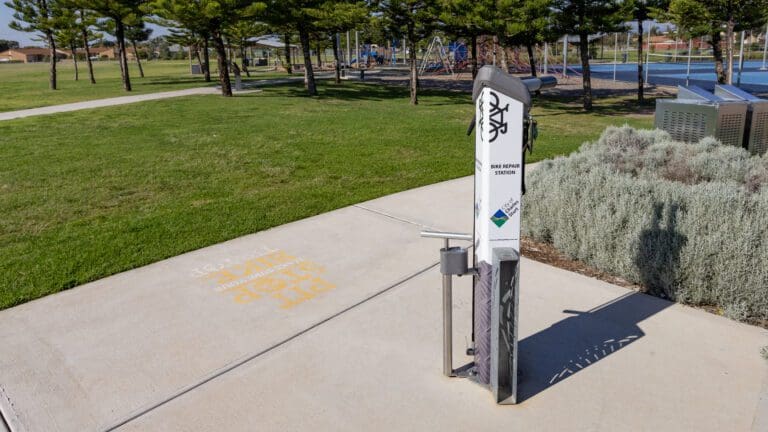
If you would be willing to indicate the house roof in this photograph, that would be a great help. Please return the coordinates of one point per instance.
(101, 49)
(28, 51)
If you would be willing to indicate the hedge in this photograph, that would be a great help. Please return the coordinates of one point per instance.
(688, 222)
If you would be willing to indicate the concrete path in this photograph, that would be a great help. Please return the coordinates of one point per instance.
(333, 323)
(100, 103)
(248, 87)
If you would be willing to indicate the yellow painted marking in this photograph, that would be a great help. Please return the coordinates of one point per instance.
(276, 275)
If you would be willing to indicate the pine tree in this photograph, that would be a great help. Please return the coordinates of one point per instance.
(37, 16)
(122, 13)
(585, 18)
(470, 19)
(339, 16)
(708, 17)
(526, 23)
(415, 20)
(208, 18)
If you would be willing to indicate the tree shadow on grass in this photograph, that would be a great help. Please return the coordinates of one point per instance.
(580, 341)
(556, 105)
(366, 92)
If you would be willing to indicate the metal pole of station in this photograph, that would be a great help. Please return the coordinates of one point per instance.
(546, 57)
(615, 54)
(447, 320)
(741, 59)
(357, 51)
(688, 70)
(765, 51)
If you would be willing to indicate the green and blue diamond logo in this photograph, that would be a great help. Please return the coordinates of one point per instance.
(499, 218)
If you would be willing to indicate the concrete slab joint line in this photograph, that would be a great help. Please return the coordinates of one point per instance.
(391, 216)
(7, 416)
(232, 366)
(760, 422)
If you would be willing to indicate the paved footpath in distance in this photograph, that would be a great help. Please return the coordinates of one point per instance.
(248, 87)
(333, 323)
(100, 103)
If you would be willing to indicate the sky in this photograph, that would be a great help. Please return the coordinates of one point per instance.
(5, 32)
(26, 38)
(6, 15)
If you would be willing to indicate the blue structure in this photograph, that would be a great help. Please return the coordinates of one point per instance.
(702, 74)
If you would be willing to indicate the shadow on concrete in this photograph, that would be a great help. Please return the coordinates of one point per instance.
(580, 341)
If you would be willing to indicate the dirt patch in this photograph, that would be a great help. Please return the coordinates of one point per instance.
(567, 87)
(547, 254)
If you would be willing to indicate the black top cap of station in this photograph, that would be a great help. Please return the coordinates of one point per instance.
(493, 77)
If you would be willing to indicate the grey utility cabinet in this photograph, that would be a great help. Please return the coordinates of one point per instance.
(756, 130)
(697, 113)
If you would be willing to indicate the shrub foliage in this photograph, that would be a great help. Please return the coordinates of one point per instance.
(687, 222)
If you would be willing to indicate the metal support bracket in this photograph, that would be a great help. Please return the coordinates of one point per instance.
(451, 265)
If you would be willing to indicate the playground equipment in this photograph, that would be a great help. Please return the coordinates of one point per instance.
(443, 62)
(505, 131)
(697, 113)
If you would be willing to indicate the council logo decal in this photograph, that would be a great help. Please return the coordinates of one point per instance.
(499, 218)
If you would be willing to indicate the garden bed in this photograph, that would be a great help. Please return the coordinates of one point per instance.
(688, 222)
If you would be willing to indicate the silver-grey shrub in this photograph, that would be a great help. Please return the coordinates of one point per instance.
(686, 221)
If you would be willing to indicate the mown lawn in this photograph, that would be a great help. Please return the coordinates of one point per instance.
(26, 85)
(87, 194)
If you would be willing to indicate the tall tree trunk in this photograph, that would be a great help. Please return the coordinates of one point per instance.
(473, 42)
(729, 48)
(221, 53)
(504, 59)
(207, 60)
(138, 60)
(45, 12)
(414, 84)
(319, 59)
(243, 60)
(336, 60)
(640, 78)
(585, 72)
(717, 54)
(309, 74)
(73, 48)
(288, 65)
(120, 36)
(531, 58)
(52, 72)
(88, 56)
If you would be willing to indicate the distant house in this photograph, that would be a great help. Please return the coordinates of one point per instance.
(30, 55)
(103, 52)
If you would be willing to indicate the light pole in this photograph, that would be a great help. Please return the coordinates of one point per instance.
(765, 50)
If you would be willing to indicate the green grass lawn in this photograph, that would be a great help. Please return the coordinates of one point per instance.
(87, 194)
(26, 85)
